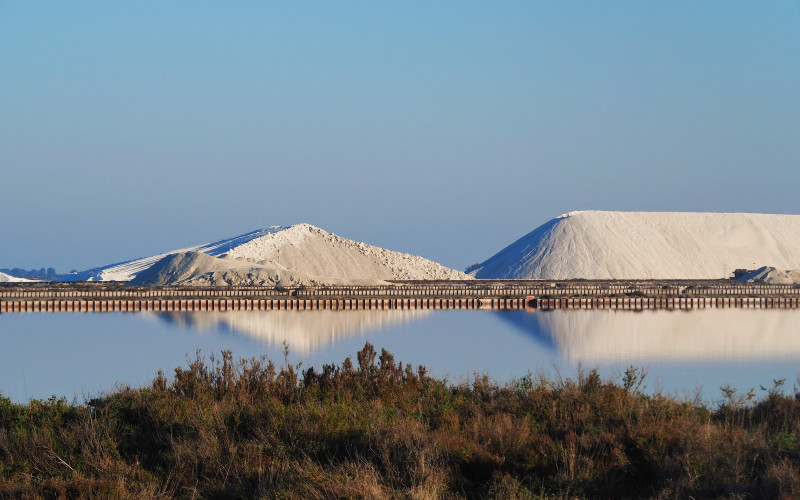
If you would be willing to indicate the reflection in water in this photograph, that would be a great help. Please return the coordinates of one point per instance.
(305, 331)
(66, 354)
(705, 334)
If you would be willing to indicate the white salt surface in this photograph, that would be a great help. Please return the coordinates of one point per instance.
(318, 252)
(303, 249)
(648, 245)
(7, 278)
(199, 269)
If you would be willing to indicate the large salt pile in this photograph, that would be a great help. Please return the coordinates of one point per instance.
(306, 251)
(648, 245)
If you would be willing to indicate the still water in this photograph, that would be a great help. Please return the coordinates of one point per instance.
(684, 352)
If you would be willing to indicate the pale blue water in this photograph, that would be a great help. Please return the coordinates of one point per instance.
(82, 355)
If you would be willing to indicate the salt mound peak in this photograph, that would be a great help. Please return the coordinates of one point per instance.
(647, 245)
(304, 249)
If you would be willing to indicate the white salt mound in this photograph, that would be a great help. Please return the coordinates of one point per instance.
(7, 278)
(648, 245)
(772, 276)
(306, 250)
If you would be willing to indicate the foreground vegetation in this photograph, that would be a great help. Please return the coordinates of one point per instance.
(222, 428)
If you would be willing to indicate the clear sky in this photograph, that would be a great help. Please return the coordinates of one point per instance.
(444, 129)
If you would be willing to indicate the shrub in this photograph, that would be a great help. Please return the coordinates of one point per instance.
(378, 428)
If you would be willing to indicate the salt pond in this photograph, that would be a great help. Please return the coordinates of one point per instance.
(83, 355)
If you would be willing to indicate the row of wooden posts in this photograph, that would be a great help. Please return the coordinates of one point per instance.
(617, 303)
(253, 304)
(643, 303)
(411, 291)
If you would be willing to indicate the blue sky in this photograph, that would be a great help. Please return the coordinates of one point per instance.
(444, 129)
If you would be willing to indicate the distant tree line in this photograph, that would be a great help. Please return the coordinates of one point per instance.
(472, 267)
(33, 274)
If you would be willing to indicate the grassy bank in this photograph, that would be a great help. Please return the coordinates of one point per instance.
(374, 428)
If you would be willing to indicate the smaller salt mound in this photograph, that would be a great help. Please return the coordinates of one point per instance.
(201, 269)
(302, 247)
(7, 278)
(772, 276)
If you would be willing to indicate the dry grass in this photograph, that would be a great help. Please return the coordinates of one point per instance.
(222, 428)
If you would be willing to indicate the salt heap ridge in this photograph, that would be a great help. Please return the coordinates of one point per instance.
(648, 245)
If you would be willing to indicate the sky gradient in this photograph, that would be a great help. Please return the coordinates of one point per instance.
(446, 130)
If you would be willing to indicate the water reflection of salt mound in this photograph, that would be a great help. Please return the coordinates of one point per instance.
(305, 331)
(710, 334)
